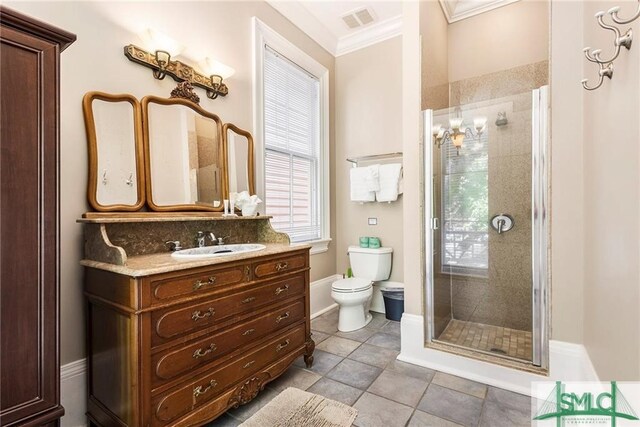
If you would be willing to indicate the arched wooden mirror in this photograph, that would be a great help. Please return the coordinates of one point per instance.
(184, 156)
(238, 158)
(116, 173)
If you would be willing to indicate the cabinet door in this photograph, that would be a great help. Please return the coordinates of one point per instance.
(28, 225)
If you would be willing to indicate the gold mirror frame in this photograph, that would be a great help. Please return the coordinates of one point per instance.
(147, 165)
(92, 142)
(225, 159)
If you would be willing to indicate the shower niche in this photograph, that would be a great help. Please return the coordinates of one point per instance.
(485, 138)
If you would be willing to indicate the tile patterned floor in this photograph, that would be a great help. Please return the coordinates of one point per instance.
(495, 339)
(360, 369)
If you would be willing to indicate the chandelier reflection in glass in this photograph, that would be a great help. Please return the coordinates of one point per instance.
(457, 132)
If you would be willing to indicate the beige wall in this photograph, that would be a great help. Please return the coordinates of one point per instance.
(368, 121)
(96, 62)
(435, 56)
(612, 206)
(504, 38)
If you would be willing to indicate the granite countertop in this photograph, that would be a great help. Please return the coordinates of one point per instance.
(147, 265)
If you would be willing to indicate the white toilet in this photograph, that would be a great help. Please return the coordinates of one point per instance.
(353, 295)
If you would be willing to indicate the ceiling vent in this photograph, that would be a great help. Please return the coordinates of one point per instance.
(358, 18)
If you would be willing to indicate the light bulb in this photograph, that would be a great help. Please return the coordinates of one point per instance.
(155, 40)
(211, 67)
(456, 123)
(479, 123)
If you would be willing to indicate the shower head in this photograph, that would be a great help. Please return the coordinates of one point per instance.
(502, 119)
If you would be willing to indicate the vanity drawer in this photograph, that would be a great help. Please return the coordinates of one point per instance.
(279, 265)
(171, 405)
(170, 363)
(172, 322)
(196, 284)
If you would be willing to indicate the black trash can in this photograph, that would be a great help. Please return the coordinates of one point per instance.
(393, 303)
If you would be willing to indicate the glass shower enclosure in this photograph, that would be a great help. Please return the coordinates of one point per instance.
(486, 232)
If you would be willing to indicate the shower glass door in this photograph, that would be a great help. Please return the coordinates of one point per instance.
(485, 192)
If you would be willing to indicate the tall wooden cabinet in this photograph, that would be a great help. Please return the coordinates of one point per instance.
(29, 204)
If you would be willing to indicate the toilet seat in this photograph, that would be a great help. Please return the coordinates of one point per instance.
(351, 285)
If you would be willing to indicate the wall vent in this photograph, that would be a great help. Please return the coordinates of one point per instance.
(358, 18)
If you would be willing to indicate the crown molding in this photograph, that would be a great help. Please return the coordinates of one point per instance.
(370, 35)
(307, 23)
(314, 28)
(453, 15)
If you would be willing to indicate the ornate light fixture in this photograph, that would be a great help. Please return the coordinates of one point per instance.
(159, 59)
(457, 132)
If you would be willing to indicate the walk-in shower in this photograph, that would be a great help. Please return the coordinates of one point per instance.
(485, 221)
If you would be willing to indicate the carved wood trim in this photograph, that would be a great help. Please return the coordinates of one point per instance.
(309, 348)
(246, 392)
(184, 90)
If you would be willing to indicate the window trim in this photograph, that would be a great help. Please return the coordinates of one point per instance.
(263, 34)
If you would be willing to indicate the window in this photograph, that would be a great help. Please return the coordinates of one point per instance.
(465, 231)
(291, 112)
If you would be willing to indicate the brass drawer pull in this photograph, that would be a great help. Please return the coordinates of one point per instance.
(248, 332)
(282, 266)
(199, 353)
(199, 391)
(199, 283)
(248, 300)
(285, 288)
(283, 345)
(247, 272)
(197, 315)
(282, 317)
(248, 364)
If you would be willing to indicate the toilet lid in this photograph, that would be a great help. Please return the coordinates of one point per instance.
(352, 284)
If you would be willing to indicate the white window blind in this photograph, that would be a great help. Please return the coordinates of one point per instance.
(292, 147)
(465, 231)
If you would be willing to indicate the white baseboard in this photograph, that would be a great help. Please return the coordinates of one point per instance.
(567, 361)
(321, 300)
(73, 380)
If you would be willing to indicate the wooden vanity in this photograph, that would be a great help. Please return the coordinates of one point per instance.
(177, 343)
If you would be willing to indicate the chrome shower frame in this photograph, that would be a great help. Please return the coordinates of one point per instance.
(540, 289)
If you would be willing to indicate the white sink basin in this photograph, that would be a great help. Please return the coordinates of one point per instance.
(217, 251)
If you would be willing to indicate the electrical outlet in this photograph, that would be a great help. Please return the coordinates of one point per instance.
(373, 221)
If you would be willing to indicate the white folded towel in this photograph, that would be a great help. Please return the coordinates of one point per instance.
(373, 179)
(390, 175)
(359, 188)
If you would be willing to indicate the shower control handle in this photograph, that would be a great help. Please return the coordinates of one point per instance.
(502, 223)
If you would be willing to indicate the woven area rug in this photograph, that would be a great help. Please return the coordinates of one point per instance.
(297, 408)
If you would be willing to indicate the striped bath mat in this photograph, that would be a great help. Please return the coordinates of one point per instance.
(297, 408)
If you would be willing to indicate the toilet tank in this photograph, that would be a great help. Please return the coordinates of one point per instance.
(372, 264)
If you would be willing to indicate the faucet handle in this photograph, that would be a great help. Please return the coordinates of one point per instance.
(174, 245)
(222, 239)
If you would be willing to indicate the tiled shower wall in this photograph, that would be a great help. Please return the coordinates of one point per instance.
(504, 297)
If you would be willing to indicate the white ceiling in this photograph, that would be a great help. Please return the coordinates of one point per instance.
(321, 20)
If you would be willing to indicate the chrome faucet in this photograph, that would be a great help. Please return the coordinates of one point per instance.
(201, 236)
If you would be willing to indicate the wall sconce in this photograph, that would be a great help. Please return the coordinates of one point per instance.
(217, 72)
(162, 64)
(456, 132)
